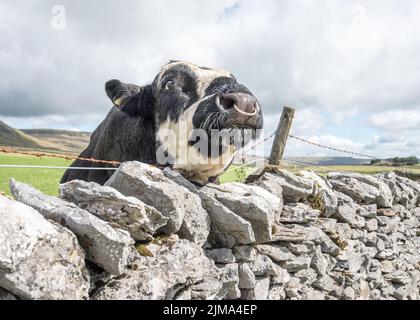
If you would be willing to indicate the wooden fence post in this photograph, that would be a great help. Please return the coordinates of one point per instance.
(279, 144)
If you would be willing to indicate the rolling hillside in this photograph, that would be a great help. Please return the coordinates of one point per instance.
(43, 139)
(16, 138)
(314, 161)
(63, 140)
(331, 161)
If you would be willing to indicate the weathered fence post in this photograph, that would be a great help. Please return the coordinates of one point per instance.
(279, 144)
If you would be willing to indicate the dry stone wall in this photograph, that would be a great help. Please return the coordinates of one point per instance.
(151, 234)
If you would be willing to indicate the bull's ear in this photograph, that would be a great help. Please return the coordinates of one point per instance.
(119, 91)
(134, 100)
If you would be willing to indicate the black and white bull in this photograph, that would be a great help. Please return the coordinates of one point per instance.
(151, 123)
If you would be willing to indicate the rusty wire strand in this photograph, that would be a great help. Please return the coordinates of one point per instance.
(59, 156)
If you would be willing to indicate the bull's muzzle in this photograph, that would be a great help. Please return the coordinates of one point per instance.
(243, 108)
(242, 103)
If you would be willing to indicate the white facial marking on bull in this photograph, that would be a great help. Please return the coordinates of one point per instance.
(174, 137)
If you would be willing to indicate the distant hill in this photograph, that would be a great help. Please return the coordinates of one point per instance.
(16, 138)
(314, 161)
(331, 161)
(63, 140)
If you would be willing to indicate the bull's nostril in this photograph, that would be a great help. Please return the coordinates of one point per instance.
(227, 103)
(244, 104)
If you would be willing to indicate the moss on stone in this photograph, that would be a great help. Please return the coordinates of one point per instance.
(144, 251)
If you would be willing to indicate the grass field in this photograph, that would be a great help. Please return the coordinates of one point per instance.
(236, 174)
(47, 180)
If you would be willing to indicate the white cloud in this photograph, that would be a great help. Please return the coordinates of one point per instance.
(307, 121)
(395, 121)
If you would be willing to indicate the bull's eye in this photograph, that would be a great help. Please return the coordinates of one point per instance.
(169, 84)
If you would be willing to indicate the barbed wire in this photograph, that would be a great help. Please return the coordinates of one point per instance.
(332, 148)
(244, 152)
(258, 143)
(59, 156)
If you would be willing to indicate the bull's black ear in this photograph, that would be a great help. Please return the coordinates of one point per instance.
(120, 92)
(142, 104)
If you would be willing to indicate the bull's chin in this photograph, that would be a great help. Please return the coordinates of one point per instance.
(243, 130)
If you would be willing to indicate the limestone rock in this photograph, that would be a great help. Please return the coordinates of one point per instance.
(276, 292)
(38, 259)
(347, 214)
(110, 248)
(298, 249)
(371, 225)
(298, 213)
(306, 276)
(252, 203)
(246, 277)
(180, 180)
(363, 188)
(282, 277)
(128, 213)
(227, 228)
(222, 255)
(323, 190)
(272, 184)
(325, 283)
(319, 263)
(7, 296)
(275, 252)
(297, 264)
(230, 282)
(182, 207)
(289, 232)
(245, 253)
(349, 294)
(264, 266)
(295, 188)
(405, 191)
(310, 294)
(173, 270)
(259, 292)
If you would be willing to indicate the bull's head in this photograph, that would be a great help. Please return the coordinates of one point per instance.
(203, 116)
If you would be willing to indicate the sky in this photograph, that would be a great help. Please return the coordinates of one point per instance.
(349, 68)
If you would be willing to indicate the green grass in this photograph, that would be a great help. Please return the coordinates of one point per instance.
(46, 180)
(236, 174)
